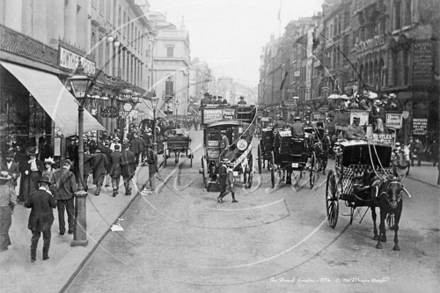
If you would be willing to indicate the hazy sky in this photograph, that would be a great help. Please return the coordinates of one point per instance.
(230, 34)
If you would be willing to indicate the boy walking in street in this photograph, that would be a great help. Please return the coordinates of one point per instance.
(226, 181)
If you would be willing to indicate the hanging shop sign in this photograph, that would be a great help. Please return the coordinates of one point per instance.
(394, 120)
(420, 126)
(109, 112)
(422, 60)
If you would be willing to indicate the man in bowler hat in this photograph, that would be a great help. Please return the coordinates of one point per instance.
(41, 203)
(100, 164)
(63, 187)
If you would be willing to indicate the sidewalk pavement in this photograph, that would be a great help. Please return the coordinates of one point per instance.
(426, 173)
(18, 274)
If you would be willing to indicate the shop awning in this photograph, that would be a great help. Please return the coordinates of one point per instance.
(54, 98)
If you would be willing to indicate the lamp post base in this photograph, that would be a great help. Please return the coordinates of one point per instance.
(79, 242)
(80, 232)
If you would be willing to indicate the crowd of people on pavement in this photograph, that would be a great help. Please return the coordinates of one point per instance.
(32, 178)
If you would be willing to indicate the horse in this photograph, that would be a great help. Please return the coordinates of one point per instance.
(390, 201)
(386, 194)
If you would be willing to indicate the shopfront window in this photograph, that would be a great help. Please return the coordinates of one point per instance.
(22, 120)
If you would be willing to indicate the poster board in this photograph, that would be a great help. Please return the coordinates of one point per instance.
(394, 120)
(362, 115)
(420, 126)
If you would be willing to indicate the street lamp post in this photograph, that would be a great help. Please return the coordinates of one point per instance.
(154, 101)
(177, 110)
(80, 85)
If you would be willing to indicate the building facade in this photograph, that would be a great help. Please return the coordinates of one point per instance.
(108, 39)
(384, 46)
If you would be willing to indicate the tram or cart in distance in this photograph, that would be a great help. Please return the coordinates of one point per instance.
(178, 142)
(236, 121)
(354, 160)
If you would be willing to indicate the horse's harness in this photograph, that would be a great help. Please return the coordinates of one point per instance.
(393, 202)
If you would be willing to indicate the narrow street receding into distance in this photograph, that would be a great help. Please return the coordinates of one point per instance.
(274, 240)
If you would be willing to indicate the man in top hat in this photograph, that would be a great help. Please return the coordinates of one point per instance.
(99, 166)
(11, 167)
(225, 180)
(355, 131)
(34, 170)
(8, 201)
(41, 218)
(128, 164)
(206, 99)
(63, 187)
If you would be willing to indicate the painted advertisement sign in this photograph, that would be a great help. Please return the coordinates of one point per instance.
(420, 126)
(394, 120)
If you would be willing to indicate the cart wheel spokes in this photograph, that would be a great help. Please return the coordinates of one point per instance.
(312, 172)
(260, 158)
(272, 170)
(331, 200)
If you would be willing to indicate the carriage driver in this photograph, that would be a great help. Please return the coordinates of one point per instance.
(224, 143)
(297, 128)
(355, 131)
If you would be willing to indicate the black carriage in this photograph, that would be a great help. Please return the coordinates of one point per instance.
(291, 156)
(239, 152)
(177, 142)
(265, 147)
(355, 160)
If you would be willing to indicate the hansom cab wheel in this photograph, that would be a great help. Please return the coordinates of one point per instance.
(249, 175)
(259, 158)
(313, 169)
(272, 170)
(331, 199)
(204, 176)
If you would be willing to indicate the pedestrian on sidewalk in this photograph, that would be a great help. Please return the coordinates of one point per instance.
(419, 151)
(34, 170)
(41, 203)
(8, 201)
(63, 187)
(100, 163)
(153, 167)
(106, 150)
(11, 167)
(434, 152)
(137, 147)
(412, 150)
(49, 164)
(226, 180)
(115, 168)
(87, 167)
(128, 166)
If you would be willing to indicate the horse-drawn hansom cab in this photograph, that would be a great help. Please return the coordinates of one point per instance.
(236, 122)
(364, 177)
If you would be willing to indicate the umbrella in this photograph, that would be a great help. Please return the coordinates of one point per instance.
(372, 95)
(334, 97)
(344, 97)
